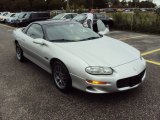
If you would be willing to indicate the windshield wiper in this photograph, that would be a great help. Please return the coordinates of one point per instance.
(62, 40)
(90, 38)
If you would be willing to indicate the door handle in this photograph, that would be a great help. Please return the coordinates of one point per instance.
(40, 43)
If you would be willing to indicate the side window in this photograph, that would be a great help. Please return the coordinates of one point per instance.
(74, 15)
(99, 16)
(12, 15)
(24, 15)
(43, 15)
(69, 16)
(34, 16)
(35, 31)
(5, 14)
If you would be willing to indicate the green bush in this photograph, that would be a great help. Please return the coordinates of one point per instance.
(138, 22)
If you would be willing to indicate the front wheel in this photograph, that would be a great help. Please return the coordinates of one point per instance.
(61, 77)
(5, 21)
(19, 53)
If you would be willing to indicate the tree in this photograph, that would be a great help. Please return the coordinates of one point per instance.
(158, 11)
(30, 3)
(116, 3)
(146, 4)
(124, 3)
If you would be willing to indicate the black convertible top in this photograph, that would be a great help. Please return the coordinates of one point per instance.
(52, 22)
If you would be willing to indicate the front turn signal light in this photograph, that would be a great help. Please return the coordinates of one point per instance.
(96, 82)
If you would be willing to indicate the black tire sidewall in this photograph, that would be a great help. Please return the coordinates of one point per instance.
(21, 52)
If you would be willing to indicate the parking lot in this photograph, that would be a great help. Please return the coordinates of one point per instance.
(28, 93)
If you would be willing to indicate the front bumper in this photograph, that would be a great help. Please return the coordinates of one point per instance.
(125, 77)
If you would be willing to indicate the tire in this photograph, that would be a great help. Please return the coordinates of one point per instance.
(5, 21)
(19, 53)
(61, 77)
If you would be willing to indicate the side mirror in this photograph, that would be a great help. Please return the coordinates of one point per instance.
(38, 41)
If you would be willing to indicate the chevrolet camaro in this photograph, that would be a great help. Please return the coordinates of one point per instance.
(78, 57)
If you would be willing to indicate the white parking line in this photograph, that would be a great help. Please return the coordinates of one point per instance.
(153, 62)
(150, 52)
(128, 38)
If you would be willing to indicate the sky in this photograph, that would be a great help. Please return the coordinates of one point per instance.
(157, 2)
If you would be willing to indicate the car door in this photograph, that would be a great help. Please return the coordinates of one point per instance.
(102, 29)
(34, 44)
(102, 18)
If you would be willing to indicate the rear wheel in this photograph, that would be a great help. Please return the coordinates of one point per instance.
(61, 77)
(19, 53)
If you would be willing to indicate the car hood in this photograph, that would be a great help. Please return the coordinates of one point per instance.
(3, 17)
(104, 51)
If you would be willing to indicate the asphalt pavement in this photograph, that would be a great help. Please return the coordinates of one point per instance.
(28, 93)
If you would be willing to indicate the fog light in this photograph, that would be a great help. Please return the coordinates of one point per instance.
(96, 82)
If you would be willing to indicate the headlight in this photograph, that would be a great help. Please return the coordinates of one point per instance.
(96, 70)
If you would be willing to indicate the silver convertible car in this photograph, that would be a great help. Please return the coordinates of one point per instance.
(80, 58)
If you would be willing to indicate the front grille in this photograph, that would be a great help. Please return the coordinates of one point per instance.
(131, 81)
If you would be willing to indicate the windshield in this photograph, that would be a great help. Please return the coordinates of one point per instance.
(80, 17)
(12, 15)
(5, 14)
(16, 15)
(58, 16)
(70, 32)
(22, 15)
(9, 14)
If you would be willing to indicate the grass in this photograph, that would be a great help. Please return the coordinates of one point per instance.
(138, 22)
